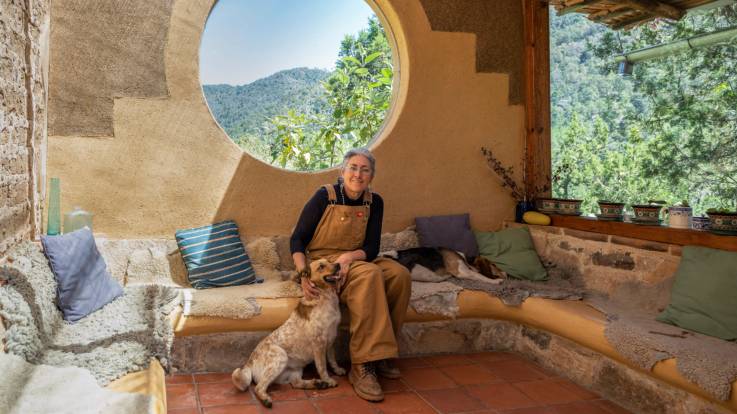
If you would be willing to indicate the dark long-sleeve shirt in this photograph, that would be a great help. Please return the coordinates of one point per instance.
(315, 207)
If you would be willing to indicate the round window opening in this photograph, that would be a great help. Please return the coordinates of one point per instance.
(297, 83)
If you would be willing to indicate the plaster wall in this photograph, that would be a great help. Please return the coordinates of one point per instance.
(168, 165)
(23, 67)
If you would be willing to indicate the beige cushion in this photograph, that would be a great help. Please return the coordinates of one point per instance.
(150, 382)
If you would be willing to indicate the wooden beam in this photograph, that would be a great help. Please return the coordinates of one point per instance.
(628, 24)
(662, 234)
(537, 98)
(656, 8)
(607, 17)
(578, 6)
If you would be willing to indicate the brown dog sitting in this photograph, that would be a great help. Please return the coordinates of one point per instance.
(307, 336)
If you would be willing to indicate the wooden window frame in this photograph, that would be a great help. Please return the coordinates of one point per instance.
(538, 154)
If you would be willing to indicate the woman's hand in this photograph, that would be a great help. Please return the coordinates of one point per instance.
(308, 288)
(344, 260)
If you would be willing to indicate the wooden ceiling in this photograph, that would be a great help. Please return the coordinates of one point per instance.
(625, 14)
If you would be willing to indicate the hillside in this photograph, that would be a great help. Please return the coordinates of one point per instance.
(242, 109)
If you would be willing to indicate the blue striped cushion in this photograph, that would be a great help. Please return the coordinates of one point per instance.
(215, 256)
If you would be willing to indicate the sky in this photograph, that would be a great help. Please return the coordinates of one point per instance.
(246, 40)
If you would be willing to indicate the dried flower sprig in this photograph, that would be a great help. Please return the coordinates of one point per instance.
(522, 192)
(504, 174)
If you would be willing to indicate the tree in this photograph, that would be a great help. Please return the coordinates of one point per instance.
(672, 126)
(358, 93)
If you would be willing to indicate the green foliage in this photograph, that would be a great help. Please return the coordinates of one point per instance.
(358, 93)
(668, 132)
(305, 119)
(245, 109)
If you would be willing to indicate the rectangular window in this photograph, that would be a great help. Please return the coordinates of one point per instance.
(645, 114)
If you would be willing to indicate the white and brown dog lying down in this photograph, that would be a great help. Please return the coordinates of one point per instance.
(429, 264)
(307, 336)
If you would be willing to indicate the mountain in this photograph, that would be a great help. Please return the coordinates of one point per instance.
(242, 109)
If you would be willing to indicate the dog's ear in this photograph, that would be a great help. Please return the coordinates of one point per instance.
(489, 269)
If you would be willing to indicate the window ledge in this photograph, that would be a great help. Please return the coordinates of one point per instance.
(661, 234)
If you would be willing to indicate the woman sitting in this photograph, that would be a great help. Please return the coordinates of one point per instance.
(342, 222)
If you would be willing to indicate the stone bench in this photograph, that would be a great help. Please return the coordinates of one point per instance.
(566, 337)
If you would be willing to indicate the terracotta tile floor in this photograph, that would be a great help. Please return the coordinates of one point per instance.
(490, 382)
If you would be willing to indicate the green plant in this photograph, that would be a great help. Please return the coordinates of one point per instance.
(358, 94)
(720, 211)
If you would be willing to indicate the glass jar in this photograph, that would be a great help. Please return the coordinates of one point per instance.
(77, 219)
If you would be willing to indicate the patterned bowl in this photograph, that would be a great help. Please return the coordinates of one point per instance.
(546, 205)
(646, 213)
(700, 223)
(610, 210)
(723, 223)
(569, 207)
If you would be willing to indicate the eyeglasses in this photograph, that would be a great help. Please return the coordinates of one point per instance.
(355, 169)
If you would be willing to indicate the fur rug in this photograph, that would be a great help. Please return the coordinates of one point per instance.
(27, 388)
(236, 302)
(513, 292)
(120, 338)
(633, 331)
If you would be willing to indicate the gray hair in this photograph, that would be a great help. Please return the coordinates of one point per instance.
(359, 151)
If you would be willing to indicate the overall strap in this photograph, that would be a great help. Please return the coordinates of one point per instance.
(367, 197)
(367, 202)
(332, 197)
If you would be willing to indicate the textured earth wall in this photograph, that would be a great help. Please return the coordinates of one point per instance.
(133, 141)
(499, 39)
(23, 61)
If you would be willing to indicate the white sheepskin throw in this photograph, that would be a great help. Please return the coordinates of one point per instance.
(265, 258)
(405, 239)
(26, 388)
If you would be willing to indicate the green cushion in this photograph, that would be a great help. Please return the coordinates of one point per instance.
(704, 294)
(512, 250)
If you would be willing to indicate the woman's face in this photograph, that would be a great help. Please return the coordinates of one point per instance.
(357, 174)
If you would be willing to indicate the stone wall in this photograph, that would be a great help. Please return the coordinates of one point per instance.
(24, 37)
(607, 264)
(630, 388)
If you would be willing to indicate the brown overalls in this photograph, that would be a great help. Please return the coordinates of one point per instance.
(376, 293)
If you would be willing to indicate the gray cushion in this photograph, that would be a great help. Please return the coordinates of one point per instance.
(453, 232)
(83, 283)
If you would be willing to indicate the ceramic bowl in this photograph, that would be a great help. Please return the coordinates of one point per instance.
(725, 223)
(610, 210)
(646, 213)
(547, 205)
(679, 217)
(569, 207)
(700, 223)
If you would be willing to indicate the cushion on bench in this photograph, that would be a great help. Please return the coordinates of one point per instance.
(704, 292)
(215, 256)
